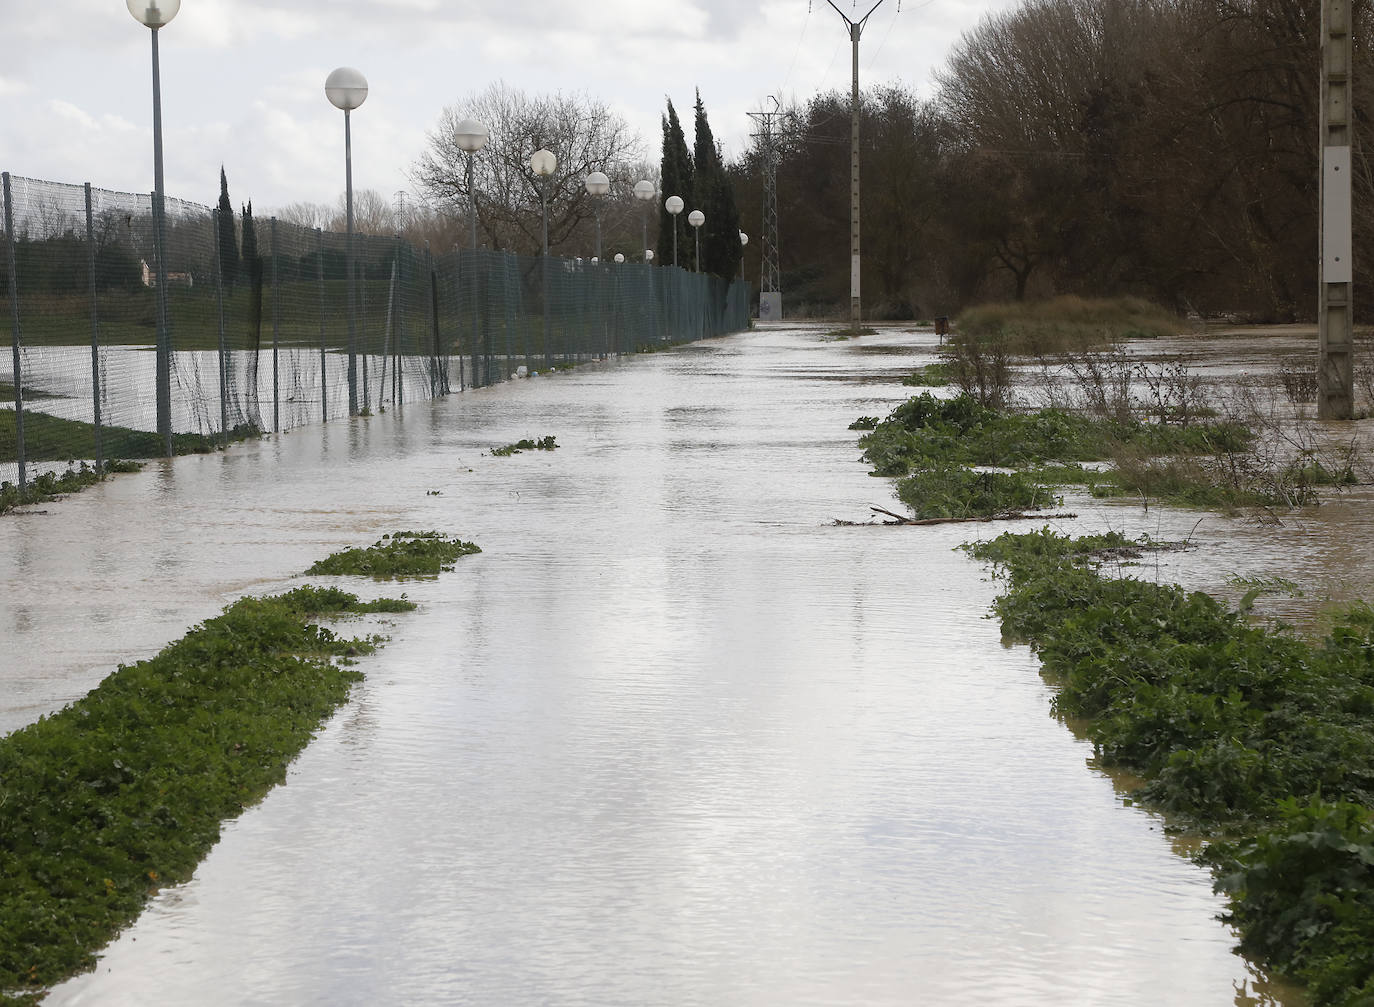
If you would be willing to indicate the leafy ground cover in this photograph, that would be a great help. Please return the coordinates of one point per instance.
(927, 430)
(526, 444)
(956, 492)
(935, 375)
(123, 792)
(401, 554)
(51, 485)
(1252, 735)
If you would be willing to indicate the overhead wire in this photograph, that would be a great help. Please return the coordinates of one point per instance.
(797, 51)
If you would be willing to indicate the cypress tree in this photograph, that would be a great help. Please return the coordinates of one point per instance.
(250, 239)
(228, 242)
(715, 194)
(676, 176)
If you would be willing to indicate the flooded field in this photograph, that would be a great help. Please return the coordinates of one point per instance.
(674, 737)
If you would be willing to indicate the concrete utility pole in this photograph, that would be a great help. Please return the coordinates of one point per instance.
(770, 275)
(856, 29)
(1335, 363)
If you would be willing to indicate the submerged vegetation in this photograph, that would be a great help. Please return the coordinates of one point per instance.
(124, 791)
(1253, 736)
(400, 554)
(526, 444)
(51, 485)
(926, 441)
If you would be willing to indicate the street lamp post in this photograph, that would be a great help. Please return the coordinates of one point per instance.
(346, 89)
(674, 205)
(471, 136)
(696, 218)
(645, 193)
(153, 14)
(597, 186)
(743, 243)
(543, 164)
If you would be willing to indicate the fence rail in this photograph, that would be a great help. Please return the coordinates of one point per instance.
(262, 343)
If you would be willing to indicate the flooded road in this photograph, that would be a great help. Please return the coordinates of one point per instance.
(672, 738)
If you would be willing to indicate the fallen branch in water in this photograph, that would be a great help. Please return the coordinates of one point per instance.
(983, 519)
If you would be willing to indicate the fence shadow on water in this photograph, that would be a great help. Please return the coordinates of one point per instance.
(262, 343)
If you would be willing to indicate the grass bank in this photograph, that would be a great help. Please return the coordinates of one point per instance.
(1261, 740)
(54, 439)
(1064, 324)
(124, 791)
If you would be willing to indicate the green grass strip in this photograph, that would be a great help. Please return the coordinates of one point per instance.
(402, 554)
(54, 439)
(123, 792)
(1247, 733)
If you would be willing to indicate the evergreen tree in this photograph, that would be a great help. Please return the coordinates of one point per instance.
(676, 180)
(250, 240)
(228, 242)
(715, 196)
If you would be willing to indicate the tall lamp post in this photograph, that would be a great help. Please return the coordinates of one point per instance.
(645, 193)
(544, 164)
(346, 89)
(674, 205)
(597, 186)
(696, 218)
(471, 136)
(153, 14)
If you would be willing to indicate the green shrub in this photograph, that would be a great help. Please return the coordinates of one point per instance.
(956, 492)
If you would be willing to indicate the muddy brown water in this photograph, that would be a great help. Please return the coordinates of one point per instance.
(674, 737)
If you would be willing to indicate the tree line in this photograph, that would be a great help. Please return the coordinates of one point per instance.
(1161, 148)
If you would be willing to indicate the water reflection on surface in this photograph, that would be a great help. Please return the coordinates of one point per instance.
(672, 738)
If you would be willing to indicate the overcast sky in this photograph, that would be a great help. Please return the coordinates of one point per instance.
(243, 80)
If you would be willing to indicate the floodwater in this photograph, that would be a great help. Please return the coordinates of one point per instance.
(674, 737)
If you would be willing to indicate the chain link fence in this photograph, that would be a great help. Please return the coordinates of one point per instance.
(258, 332)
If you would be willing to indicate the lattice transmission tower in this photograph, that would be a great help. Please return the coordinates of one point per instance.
(770, 273)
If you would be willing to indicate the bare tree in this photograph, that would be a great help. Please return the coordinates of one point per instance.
(307, 215)
(583, 133)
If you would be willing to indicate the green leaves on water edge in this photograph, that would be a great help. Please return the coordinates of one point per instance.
(123, 792)
(526, 444)
(402, 554)
(1238, 729)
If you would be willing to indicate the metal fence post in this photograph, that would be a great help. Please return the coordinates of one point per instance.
(15, 337)
(434, 322)
(400, 317)
(276, 302)
(324, 361)
(223, 351)
(95, 329)
(362, 340)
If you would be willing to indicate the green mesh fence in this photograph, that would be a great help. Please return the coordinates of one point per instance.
(259, 335)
